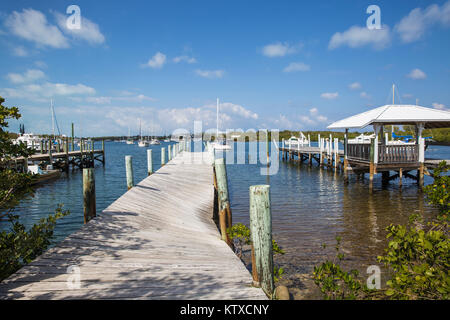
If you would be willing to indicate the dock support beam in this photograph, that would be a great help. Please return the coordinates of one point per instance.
(261, 234)
(89, 194)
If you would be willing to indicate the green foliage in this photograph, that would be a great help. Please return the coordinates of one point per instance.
(417, 256)
(239, 233)
(20, 246)
(336, 283)
(437, 193)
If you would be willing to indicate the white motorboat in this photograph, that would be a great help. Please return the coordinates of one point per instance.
(362, 139)
(30, 140)
(155, 142)
(295, 142)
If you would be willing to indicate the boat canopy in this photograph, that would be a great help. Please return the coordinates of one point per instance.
(396, 114)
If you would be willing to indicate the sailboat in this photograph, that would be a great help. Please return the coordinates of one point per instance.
(154, 141)
(142, 142)
(129, 140)
(219, 144)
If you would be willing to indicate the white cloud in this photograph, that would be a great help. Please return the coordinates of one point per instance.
(127, 98)
(40, 64)
(279, 49)
(412, 27)
(416, 74)
(41, 92)
(29, 76)
(231, 116)
(186, 59)
(438, 106)
(49, 89)
(330, 95)
(313, 111)
(364, 95)
(355, 86)
(296, 66)
(157, 61)
(361, 36)
(20, 52)
(89, 30)
(237, 109)
(211, 74)
(32, 25)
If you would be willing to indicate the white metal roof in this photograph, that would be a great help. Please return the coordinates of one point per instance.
(396, 114)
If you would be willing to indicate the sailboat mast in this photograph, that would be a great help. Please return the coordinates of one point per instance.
(393, 94)
(217, 118)
(53, 117)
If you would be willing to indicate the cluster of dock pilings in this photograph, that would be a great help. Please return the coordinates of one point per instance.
(62, 155)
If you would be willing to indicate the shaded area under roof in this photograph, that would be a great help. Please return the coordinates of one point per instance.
(396, 114)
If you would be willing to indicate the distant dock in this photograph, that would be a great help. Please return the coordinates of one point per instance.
(362, 158)
(157, 241)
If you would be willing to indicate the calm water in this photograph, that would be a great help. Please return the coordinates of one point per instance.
(310, 206)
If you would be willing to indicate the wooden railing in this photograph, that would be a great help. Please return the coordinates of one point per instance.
(386, 154)
(398, 154)
(358, 151)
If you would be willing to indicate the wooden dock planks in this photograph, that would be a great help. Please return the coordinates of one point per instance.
(157, 241)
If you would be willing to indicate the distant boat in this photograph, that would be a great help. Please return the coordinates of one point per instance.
(219, 144)
(142, 142)
(42, 176)
(295, 142)
(29, 140)
(155, 142)
(129, 140)
(362, 139)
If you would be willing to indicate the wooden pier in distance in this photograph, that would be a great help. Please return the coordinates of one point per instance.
(157, 241)
(399, 159)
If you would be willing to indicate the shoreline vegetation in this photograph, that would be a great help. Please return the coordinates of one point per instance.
(438, 136)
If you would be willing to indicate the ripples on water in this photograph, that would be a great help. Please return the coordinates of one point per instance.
(310, 206)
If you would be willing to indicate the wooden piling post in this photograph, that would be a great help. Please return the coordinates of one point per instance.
(400, 176)
(345, 156)
(25, 165)
(103, 151)
(372, 160)
(73, 141)
(149, 162)
(225, 218)
(89, 194)
(163, 156)
(129, 172)
(169, 152)
(261, 233)
(66, 150)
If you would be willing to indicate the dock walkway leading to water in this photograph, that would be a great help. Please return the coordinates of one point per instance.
(157, 241)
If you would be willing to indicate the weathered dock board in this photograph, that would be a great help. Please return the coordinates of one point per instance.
(157, 241)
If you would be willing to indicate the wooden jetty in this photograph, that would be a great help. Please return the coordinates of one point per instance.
(361, 158)
(64, 156)
(157, 241)
(379, 155)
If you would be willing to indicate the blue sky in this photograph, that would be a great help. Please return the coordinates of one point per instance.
(289, 65)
